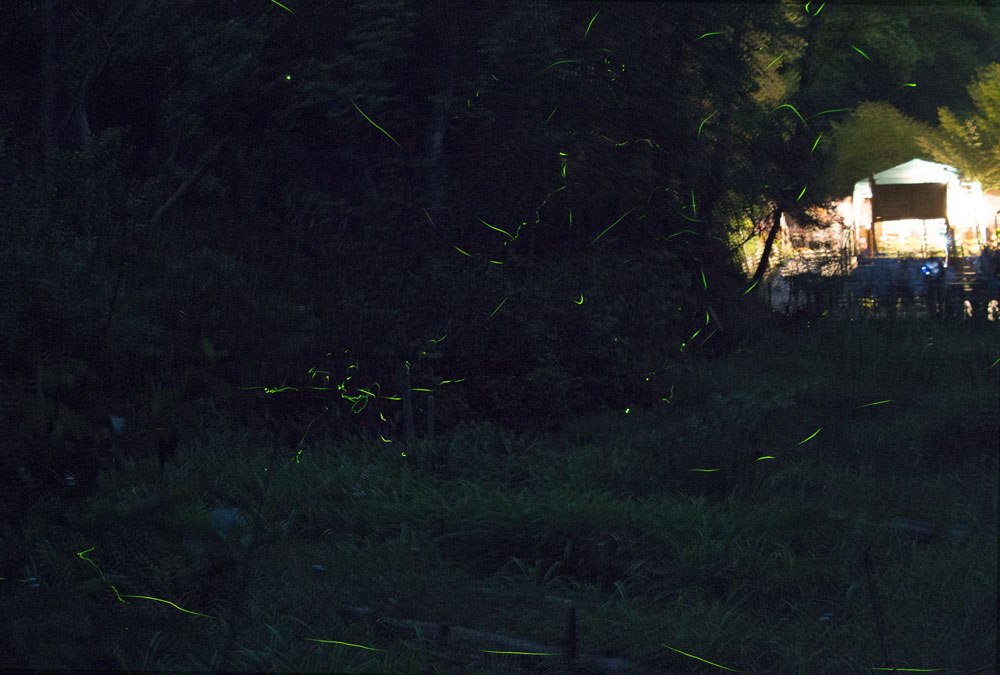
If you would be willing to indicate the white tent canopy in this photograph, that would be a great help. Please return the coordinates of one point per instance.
(920, 205)
(914, 172)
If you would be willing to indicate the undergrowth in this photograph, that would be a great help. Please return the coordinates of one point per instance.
(822, 505)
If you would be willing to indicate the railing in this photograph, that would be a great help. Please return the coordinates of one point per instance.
(952, 300)
(878, 290)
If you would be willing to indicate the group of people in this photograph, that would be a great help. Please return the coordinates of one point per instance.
(943, 289)
(939, 277)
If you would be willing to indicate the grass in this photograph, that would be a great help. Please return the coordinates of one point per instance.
(788, 564)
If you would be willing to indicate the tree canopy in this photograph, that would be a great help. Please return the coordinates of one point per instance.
(972, 144)
(204, 198)
(874, 137)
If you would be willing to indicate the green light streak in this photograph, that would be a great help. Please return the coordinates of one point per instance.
(860, 52)
(496, 228)
(693, 220)
(801, 193)
(493, 651)
(566, 61)
(828, 111)
(610, 226)
(817, 142)
(813, 435)
(866, 405)
(460, 250)
(703, 123)
(373, 123)
(787, 105)
(586, 32)
(773, 62)
(82, 556)
(718, 32)
(498, 308)
(551, 114)
(283, 7)
(580, 301)
(186, 611)
(346, 644)
(703, 660)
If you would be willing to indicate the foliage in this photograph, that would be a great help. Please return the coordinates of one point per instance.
(972, 144)
(704, 518)
(874, 137)
(535, 210)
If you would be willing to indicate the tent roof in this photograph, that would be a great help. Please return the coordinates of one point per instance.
(914, 172)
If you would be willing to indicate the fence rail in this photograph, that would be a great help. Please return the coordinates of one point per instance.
(954, 300)
(890, 289)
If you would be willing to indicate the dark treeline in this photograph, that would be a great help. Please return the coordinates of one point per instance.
(535, 207)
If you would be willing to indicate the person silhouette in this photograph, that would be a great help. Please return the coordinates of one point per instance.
(988, 278)
(933, 286)
(988, 267)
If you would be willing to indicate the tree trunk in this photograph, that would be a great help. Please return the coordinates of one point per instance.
(768, 245)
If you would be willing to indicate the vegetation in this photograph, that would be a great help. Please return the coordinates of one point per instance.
(875, 137)
(974, 142)
(872, 544)
(268, 238)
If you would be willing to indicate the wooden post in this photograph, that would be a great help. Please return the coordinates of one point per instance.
(873, 233)
(569, 640)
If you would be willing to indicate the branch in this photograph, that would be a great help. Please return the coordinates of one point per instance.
(195, 174)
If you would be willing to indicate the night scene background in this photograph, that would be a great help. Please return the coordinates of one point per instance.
(463, 337)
